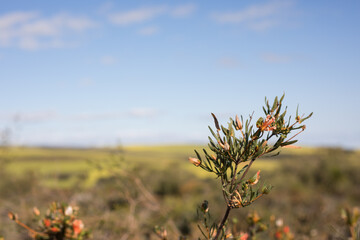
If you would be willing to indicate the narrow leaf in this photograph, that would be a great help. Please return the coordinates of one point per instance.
(216, 122)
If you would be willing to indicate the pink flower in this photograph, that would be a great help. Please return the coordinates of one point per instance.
(266, 124)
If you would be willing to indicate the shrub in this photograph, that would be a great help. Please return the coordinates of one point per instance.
(234, 150)
(59, 223)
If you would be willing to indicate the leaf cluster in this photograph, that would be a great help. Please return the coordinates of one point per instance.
(237, 145)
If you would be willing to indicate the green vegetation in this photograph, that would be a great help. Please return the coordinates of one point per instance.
(311, 186)
(55, 166)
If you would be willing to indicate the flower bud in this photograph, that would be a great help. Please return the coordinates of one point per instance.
(36, 211)
(238, 122)
(194, 161)
(291, 146)
(255, 179)
(226, 146)
(205, 206)
(12, 216)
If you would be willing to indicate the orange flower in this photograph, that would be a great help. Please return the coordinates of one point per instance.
(47, 222)
(244, 236)
(286, 229)
(278, 235)
(55, 229)
(77, 225)
(266, 124)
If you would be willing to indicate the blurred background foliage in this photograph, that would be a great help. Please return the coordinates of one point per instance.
(124, 192)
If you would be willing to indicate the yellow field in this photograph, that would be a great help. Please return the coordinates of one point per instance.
(61, 167)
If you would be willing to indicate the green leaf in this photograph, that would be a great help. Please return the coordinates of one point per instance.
(282, 97)
(225, 130)
(198, 155)
(252, 194)
(288, 143)
(274, 105)
(303, 119)
(297, 111)
(266, 113)
(267, 189)
(213, 133)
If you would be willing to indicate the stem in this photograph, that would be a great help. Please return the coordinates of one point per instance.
(221, 226)
(29, 229)
(294, 136)
(352, 232)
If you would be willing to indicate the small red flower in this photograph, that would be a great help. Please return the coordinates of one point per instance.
(47, 222)
(77, 225)
(286, 229)
(244, 236)
(278, 235)
(55, 229)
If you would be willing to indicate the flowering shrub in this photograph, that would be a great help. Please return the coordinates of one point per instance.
(257, 227)
(351, 218)
(234, 150)
(59, 223)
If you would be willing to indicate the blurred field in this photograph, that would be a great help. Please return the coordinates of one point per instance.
(311, 185)
(50, 162)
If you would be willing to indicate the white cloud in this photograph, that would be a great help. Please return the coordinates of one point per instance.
(275, 58)
(14, 18)
(148, 30)
(29, 30)
(108, 60)
(106, 7)
(29, 117)
(145, 14)
(97, 116)
(183, 10)
(132, 113)
(257, 17)
(86, 82)
(136, 16)
(143, 112)
(229, 62)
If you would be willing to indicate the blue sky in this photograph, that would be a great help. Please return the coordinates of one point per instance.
(95, 73)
